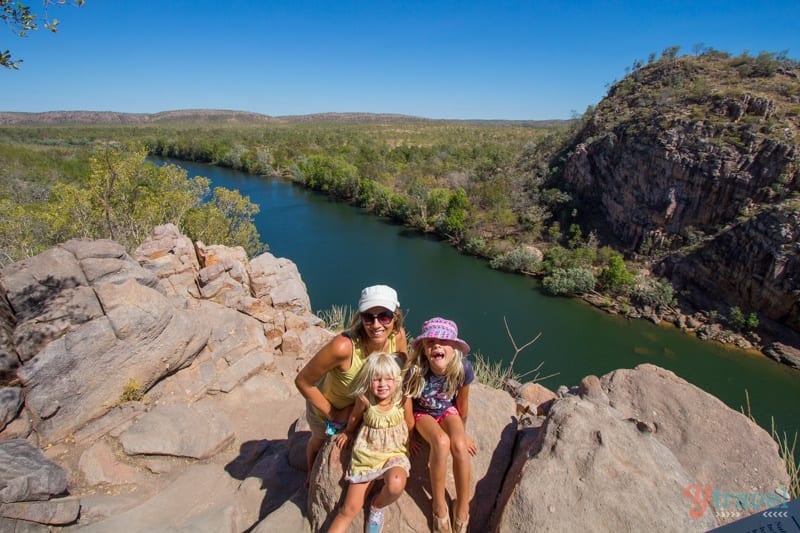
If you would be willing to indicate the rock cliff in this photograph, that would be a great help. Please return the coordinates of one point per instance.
(155, 393)
(693, 162)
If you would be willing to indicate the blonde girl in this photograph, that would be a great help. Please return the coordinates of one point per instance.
(437, 378)
(380, 447)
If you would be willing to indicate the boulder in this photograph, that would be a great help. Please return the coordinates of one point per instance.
(171, 257)
(9, 359)
(26, 474)
(717, 446)
(10, 402)
(196, 431)
(491, 424)
(56, 512)
(589, 469)
(139, 340)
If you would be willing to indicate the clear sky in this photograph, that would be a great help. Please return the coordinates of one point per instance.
(491, 59)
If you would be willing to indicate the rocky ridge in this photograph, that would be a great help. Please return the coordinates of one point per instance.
(693, 165)
(154, 393)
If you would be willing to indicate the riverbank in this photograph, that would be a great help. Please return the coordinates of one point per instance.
(769, 339)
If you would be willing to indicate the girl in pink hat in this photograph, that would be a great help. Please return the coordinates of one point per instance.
(437, 378)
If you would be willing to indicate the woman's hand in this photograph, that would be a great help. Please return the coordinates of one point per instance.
(340, 416)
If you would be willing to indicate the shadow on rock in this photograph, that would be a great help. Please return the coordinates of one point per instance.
(263, 467)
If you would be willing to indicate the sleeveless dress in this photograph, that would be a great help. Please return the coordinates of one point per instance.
(379, 445)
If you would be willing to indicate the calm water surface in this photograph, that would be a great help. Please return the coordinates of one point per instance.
(339, 249)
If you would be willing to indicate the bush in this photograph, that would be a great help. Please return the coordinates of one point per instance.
(615, 278)
(566, 281)
(520, 259)
(653, 292)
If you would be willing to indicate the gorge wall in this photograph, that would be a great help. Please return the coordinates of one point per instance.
(696, 169)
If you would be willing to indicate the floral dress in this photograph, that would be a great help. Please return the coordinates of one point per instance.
(380, 444)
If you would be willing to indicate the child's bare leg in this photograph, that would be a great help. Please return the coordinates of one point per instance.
(394, 483)
(353, 504)
(462, 464)
(439, 443)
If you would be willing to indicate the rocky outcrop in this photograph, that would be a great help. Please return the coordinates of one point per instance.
(769, 280)
(666, 164)
(639, 450)
(156, 393)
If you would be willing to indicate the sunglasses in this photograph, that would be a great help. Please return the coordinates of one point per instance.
(384, 317)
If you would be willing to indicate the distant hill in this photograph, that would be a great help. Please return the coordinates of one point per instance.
(112, 117)
(221, 116)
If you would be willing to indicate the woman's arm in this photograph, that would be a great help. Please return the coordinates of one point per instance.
(334, 354)
(349, 432)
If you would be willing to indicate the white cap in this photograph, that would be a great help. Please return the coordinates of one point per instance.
(378, 296)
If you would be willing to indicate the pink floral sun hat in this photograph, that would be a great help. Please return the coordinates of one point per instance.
(442, 329)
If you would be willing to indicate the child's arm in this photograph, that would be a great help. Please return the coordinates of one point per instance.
(347, 436)
(462, 404)
(408, 413)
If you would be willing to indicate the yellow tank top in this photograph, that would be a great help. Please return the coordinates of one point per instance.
(336, 385)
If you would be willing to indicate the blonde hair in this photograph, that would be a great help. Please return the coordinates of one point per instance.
(380, 364)
(417, 368)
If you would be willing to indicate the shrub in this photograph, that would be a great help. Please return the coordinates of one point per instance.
(616, 278)
(520, 259)
(653, 292)
(565, 281)
(132, 392)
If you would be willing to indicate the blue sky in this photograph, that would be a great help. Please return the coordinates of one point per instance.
(437, 59)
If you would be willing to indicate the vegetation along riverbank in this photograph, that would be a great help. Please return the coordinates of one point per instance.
(675, 198)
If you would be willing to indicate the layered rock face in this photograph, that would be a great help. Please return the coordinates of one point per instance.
(156, 393)
(676, 163)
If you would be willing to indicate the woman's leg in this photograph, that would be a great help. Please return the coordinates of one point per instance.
(353, 504)
(462, 463)
(439, 443)
(394, 483)
(312, 449)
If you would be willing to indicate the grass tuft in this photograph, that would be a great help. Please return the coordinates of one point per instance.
(132, 392)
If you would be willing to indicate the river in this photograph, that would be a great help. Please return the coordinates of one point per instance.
(339, 249)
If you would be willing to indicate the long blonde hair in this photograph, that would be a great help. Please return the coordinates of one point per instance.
(417, 368)
(380, 364)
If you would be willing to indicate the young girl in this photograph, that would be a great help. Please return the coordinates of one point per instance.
(437, 377)
(380, 448)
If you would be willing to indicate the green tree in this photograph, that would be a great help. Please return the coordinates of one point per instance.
(615, 278)
(22, 20)
(225, 219)
(736, 318)
(456, 214)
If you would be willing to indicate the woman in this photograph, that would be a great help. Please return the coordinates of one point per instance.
(326, 380)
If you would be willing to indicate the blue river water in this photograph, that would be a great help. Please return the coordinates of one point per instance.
(339, 249)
